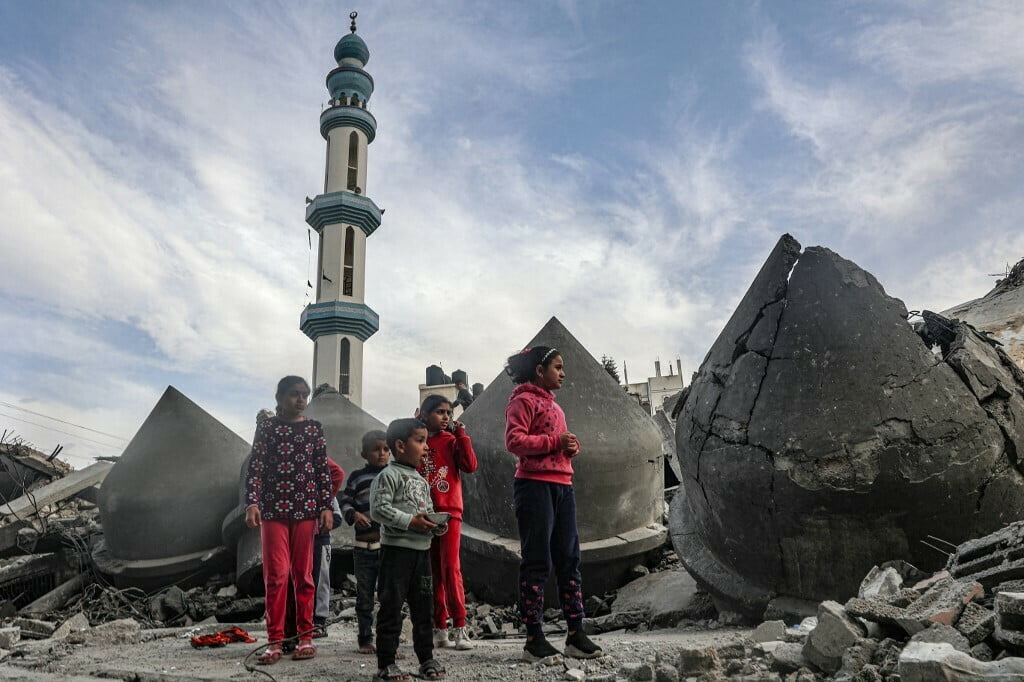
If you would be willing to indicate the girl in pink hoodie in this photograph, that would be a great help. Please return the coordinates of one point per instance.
(545, 502)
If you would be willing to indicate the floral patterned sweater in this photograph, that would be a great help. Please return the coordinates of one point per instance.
(289, 478)
(533, 425)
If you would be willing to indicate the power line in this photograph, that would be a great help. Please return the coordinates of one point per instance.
(50, 428)
(77, 426)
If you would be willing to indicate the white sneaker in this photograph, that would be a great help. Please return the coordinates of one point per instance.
(441, 640)
(462, 640)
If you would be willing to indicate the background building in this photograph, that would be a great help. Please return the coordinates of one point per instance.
(652, 392)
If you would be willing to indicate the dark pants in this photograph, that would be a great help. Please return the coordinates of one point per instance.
(404, 577)
(546, 513)
(366, 564)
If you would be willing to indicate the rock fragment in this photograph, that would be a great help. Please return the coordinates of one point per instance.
(943, 634)
(1009, 616)
(976, 623)
(696, 662)
(835, 633)
(924, 662)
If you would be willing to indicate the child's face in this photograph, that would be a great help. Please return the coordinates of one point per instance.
(410, 451)
(294, 400)
(378, 455)
(552, 376)
(439, 418)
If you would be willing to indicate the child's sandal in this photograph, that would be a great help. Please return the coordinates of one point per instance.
(304, 651)
(390, 674)
(270, 656)
(432, 670)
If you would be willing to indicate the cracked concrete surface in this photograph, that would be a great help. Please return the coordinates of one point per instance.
(823, 435)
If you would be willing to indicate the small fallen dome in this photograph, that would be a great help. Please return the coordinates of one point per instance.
(618, 478)
(822, 436)
(162, 503)
(999, 313)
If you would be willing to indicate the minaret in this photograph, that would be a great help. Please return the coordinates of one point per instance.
(340, 321)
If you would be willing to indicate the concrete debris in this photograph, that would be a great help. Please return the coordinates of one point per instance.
(999, 313)
(943, 634)
(34, 629)
(836, 631)
(664, 598)
(1009, 617)
(924, 662)
(976, 623)
(619, 494)
(9, 637)
(829, 489)
(695, 662)
(181, 458)
(880, 583)
(769, 631)
(788, 657)
(993, 559)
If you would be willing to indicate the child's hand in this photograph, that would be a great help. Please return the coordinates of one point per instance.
(421, 523)
(326, 519)
(458, 426)
(440, 530)
(567, 439)
(361, 520)
(252, 516)
(573, 449)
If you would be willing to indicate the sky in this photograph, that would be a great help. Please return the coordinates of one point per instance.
(624, 166)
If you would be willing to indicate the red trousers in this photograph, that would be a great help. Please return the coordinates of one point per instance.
(449, 598)
(288, 550)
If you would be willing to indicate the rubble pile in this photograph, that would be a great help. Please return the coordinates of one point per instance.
(823, 435)
(999, 313)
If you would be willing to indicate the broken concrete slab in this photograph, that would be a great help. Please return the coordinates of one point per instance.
(76, 623)
(822, 479)
(999, 313)
(9, 636)
(123, 631)
(925, 662)
(769, 631)
(664, 598)
(976, 623)
(938, 633)
(183, 459)
(1009, 617)
(619, 494)
(32, 628)
(880, 583)
(56, 491)
(697, 662)
(836, 631)
(787, 657)
(992, 560)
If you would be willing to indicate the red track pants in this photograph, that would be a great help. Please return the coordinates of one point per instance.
(288, 550)
(449, 598)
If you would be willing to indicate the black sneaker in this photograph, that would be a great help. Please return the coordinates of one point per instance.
(578, 645)
(538, 648)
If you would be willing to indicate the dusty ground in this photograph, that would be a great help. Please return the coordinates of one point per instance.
(171, 658)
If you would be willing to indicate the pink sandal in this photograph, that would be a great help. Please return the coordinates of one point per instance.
(304, 651)
(270, 656)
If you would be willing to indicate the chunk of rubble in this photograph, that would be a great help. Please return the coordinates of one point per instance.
(619, 493)
(941, 604)
(999, 313)
(790, 486)
(880, 583)
(1009, 614)
(976, 623)
(835, 633)
(925, 662)
(939, 634)
(992, 560)
(180, 459)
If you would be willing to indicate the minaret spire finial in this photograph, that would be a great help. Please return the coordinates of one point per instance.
(353, 16)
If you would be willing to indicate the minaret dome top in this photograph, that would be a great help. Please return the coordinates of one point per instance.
(351, 47)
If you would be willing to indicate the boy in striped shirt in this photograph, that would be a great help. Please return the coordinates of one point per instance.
(355, 509)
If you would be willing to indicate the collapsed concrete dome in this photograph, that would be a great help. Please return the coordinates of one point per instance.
(821, 436)
(1000, 313)
(162, 503)
(618, 478)
(344, 425)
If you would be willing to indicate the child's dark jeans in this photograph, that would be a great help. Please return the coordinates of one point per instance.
(366, 563)
(546, 513)
(404, 577)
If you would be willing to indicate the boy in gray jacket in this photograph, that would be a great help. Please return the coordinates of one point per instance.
(400, 501)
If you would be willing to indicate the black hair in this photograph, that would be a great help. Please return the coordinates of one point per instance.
(402, 429)
(431, 403)
(522, 367)
(370, 439)
(284, 384)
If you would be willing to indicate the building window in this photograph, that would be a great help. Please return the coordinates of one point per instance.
(353, 161)
(319, 264)
(348, 274)
(343, 376)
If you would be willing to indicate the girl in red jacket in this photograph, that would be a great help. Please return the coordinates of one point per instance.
(545, 502)
(449, 455)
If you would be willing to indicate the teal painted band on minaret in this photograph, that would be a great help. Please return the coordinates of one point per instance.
(336, 317)
(343, 207)
(348, 115)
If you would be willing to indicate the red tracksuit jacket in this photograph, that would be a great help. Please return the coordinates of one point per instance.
(449, 455)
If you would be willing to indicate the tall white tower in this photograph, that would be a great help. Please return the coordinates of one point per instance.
(340, 321)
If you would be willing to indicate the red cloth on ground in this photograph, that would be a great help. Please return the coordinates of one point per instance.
(448, 457)
(288, 550)
(533, 424)
(221, 638)
(449, 598)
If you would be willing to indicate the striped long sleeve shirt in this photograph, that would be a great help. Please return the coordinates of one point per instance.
(356, 498)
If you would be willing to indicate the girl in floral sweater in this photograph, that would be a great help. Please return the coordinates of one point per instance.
(545, 501)
(288, 494)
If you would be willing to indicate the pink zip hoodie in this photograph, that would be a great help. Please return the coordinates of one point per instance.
(533, 423)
